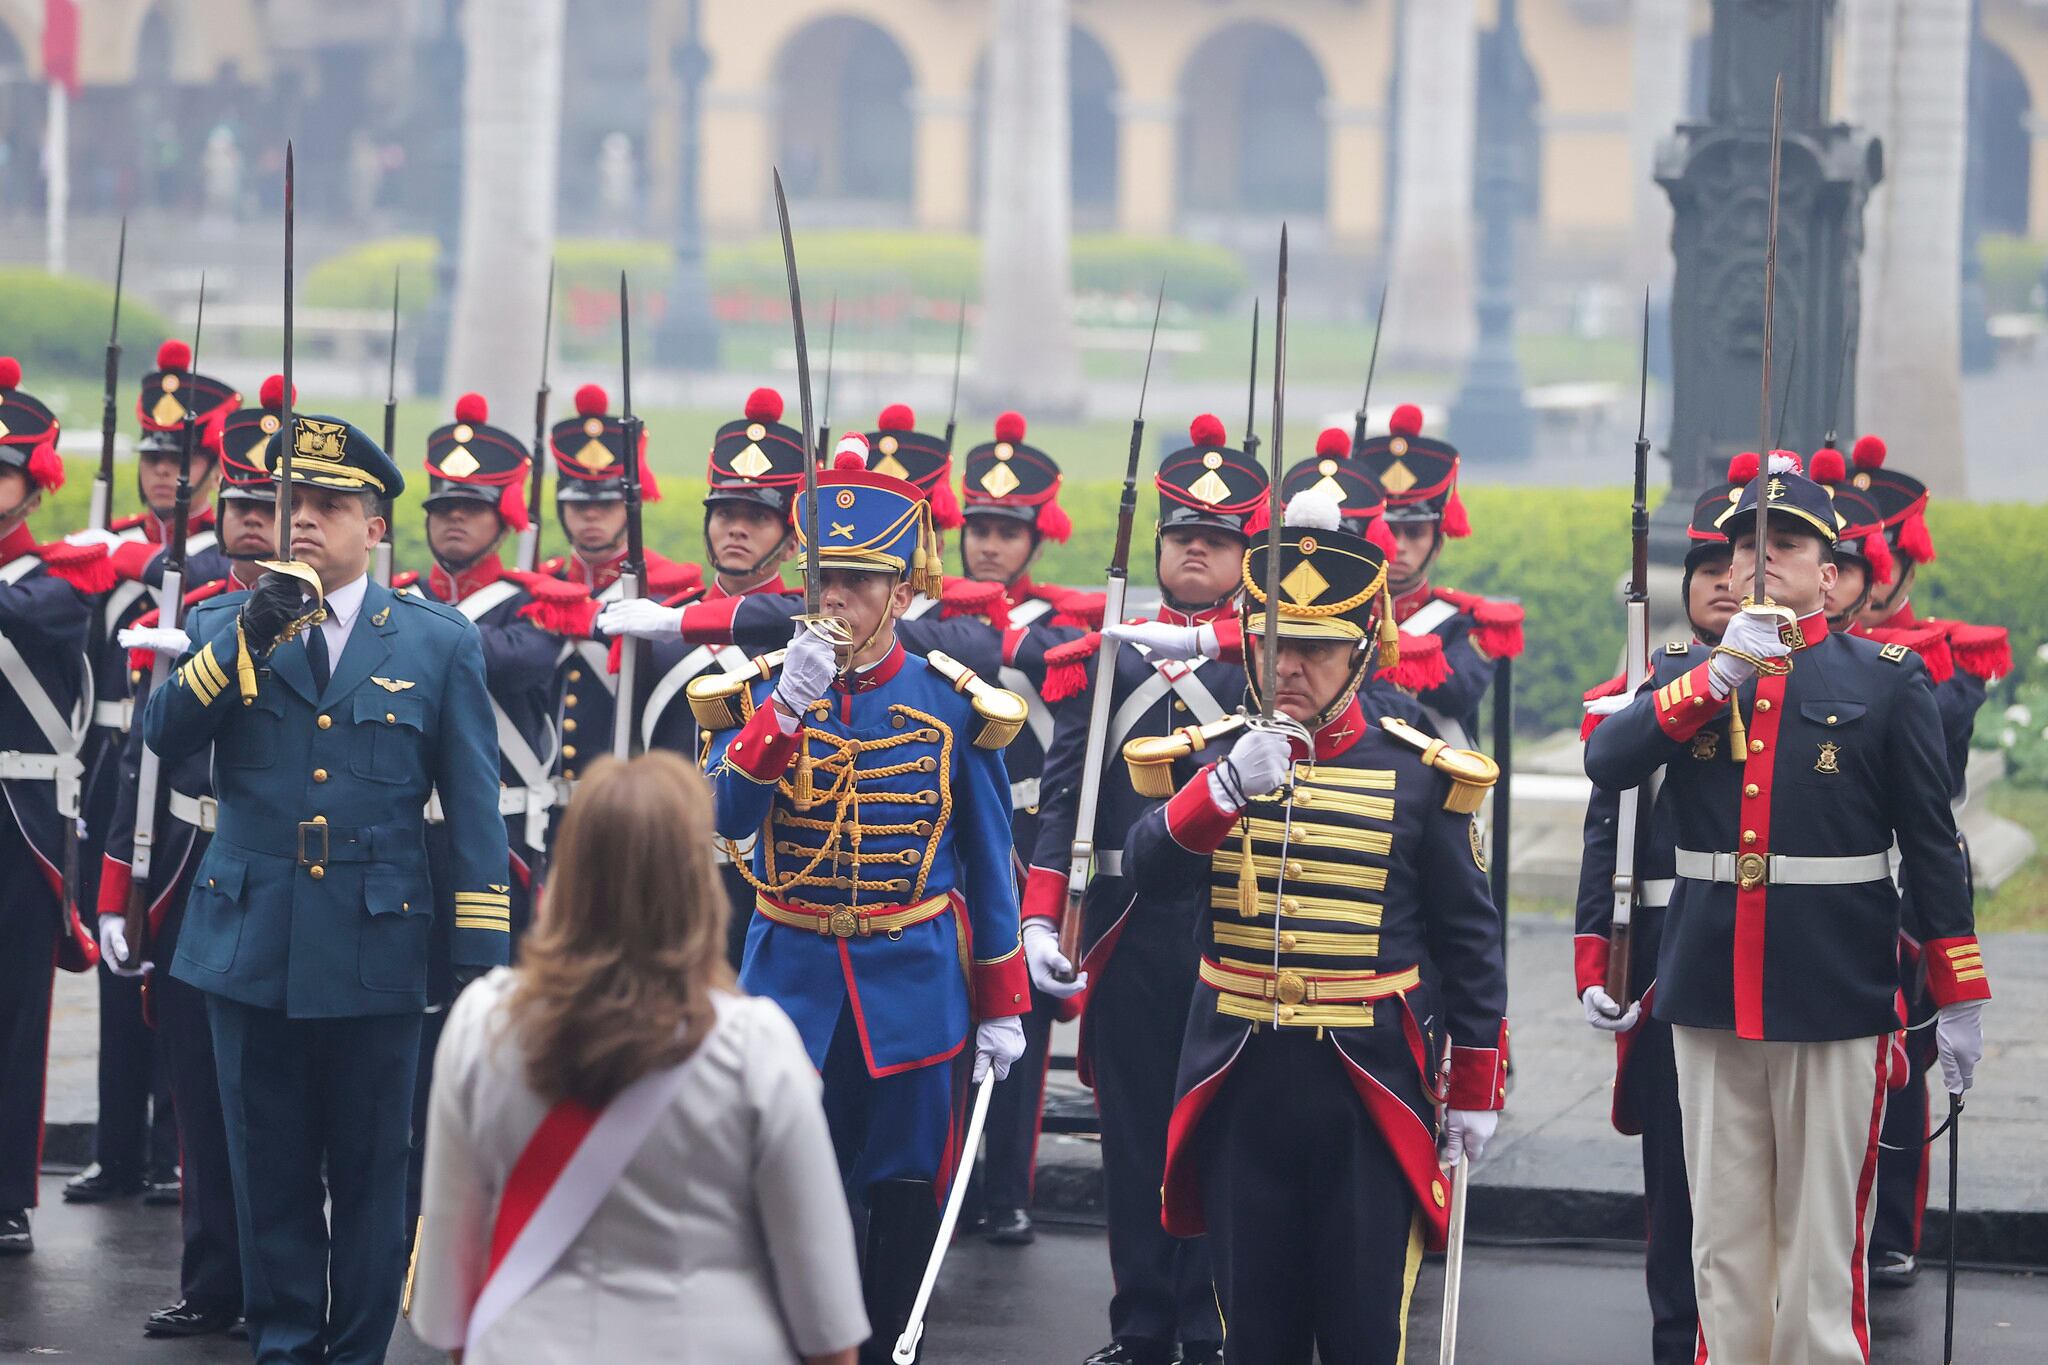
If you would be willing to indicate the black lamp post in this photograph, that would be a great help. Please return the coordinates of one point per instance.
(689, 333)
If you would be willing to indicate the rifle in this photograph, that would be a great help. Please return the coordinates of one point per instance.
(1835, 393)
(825, 416)
(387, 548)
(959, 344)
(529, 539)
(633, 572)
(110, 418)
(1358, 418)
(1082, 853)
(1636, 668)
(170, 602)
(1251, 393)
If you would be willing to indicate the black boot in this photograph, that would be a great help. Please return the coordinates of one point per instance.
(97, 1185)
(15, 1238)
(903, 1224)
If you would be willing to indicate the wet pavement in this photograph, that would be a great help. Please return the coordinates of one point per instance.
(98, 1271)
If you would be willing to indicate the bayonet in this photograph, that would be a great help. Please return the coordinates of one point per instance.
(959, 345)
(1372, 363)
(825, 414)
(633, 572)
(1835, 394)
(102, 508)
(1785, 398)
(1251, 393)
(529, 539)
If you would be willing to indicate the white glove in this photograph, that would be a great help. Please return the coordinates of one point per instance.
(1466, 1133)
(114, 946)
(166, 640)
(1959, 1038)
(1163, 640)
(807, 671)
(105, 539)
(1607, 706)
(1049, 966)
(998, 1043)
(1258, 764)
(642, 618)
(1751, 632)
(1603, 1014)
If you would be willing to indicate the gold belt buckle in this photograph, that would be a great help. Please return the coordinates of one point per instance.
(318, 827)
(843, 924)
(1290, 988)
(1749, 871)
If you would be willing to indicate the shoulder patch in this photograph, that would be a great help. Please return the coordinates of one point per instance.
(1894, 653)
(1678, 647)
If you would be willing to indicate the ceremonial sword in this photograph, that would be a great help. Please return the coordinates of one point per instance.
(387, 548)
(830, 627)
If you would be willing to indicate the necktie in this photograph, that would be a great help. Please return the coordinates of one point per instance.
(316, 654)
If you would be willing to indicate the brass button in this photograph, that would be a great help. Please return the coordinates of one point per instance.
(1763, 703)
(1302, 797)
(319, 819)
(1289, 905)
(1031, 810)
(569, 726)
(1756, 746)
(1287, 942)
(1751, 790)
(1699, 701)
(1179, 705)
(134, 675)
(1436, 1192)
(1293, 869)
(575, 675)
(569, 700)
(1831, 720)
(390, 719)
(326, 722)
(316, 872)
(1749, 836)
(1285, 1013)
(568, 751)
(210, 881)
(1291, 989)
(404, 906)
(319, 774)
(927, 764)
(896, 721)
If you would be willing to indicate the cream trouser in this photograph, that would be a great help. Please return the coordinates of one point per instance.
(1781, 1150)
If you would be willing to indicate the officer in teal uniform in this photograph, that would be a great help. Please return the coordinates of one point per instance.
(332, 722)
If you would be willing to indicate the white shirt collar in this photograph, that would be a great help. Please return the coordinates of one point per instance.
(344, 602)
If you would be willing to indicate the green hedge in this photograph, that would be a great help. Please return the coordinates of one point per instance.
(57, 324)
(1566, 551)
(2012, 272)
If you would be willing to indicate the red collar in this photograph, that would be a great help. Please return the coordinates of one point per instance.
(1813, 628)
(1413, 601)
(1343, 731)
(482, 574)
(599, 578)
(16, 543)
(1173, 617)
(156, 529)
(867, 680)
(717, 593)
(1020, 589)
(1901, 617)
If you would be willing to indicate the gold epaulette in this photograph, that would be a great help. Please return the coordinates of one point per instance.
(1001, 711)
(1470, 771)
(725, 701)
(1151, 757)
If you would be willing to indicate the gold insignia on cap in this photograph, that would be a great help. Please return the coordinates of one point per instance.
(887, 445)
(460, 464)
(596, 454)
(755, 431)
(889, 464)
(1399, 446)
(842, 529)
(463, 433)
(1209, 488)
(1399, 478)
(999, 482)
(1304, 584)
(845, 498)
(1735, 493)
(593, 426)
(1861, 481)
(169, 383)
(269, 424)
(1212, 460)
(752, 462)
(167, 409)
(319, 440)
(1004, 450)
(1329, 488)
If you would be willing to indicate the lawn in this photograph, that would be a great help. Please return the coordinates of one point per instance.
(2022, 903)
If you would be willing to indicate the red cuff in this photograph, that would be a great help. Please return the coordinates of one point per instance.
(1045, 894)
(1195, 821)
(760, 749)
(1479, 1075)
(131, 558)
(1229, 640)
(115, 879)
(1589, 960)
(570, 619)
(710, 623)
(1955, 970)
(1686, 703)
(1003, 987)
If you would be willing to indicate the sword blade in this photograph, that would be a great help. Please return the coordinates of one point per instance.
(1763, 472)
(283, 468)
(803, 389)
(1269, 663)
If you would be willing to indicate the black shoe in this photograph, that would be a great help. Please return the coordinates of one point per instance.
(187, 1319)
(240, 1330)
(903, 1223)
(1201, 1353)
(14, 1234)
(1009, 1228)
(1133, 1351)
(95, 1185)
(162, 1193)
(1893, 1270)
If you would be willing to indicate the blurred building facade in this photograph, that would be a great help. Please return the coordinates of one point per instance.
(1211, 120)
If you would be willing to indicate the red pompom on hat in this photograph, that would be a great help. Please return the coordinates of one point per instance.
(897, 417)
(472, 408)
(10, 372)
(174, 355)
(852, 452)
(1915, 541)
(271, 395)
(1406, 421)
(764, 405)
(592, 400)
(1744, 467)
(1010, 427)
(1798, 465)
(1828, 466)
(1334, 441)
(1053, 522)
(1868, 452)
(1207, 430)
(46, 467)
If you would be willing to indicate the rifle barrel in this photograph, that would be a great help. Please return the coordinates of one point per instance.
(530, 538)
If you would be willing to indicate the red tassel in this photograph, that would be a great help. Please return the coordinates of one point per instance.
(1914, 541)
(87, 568)
(1260, 518)
(1879, 552)
(512, 504)
(665, 576)
(1456, 525)
(571, 619)
(945, 507)
(967, 597)
(1053, 522)
(611, 656)
(1074, 608)
(1981, 651)
(1422, 665)
(46, 466)
(1376, 531)
(650, 488)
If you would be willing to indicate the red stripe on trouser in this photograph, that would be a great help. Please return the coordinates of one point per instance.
(1859, 1272)
(534, 1173)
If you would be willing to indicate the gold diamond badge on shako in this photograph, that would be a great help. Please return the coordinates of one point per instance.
(1826, 762)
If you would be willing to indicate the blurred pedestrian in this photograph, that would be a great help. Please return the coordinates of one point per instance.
(627, 1159)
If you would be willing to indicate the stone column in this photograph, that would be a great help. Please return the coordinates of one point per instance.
(941, 174)
(1429, 300)
(1660, 51)
(1357, 161)
(1907, 65)
(1025, 343)
(1146, 163)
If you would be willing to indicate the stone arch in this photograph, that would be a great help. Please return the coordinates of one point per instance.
(844, 124)
(1251, 131)
(2001, 146)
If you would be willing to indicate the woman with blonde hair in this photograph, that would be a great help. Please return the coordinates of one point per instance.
(627, 1159)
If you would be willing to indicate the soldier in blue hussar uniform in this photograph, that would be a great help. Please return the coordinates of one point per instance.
(333, 719)
(135, 1141)
(885, 920)
(1778, 970)
(210, 1268)
(1645, 1077)
(44, 621)
(1322, 856)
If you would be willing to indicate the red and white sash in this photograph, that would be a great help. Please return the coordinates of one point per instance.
(568, 1166)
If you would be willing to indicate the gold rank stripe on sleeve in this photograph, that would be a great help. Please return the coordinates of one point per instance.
(204, 675)
(483, 910)
(1294, 904)
(1261, 937)
(1966, 961)
(1675, 691)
